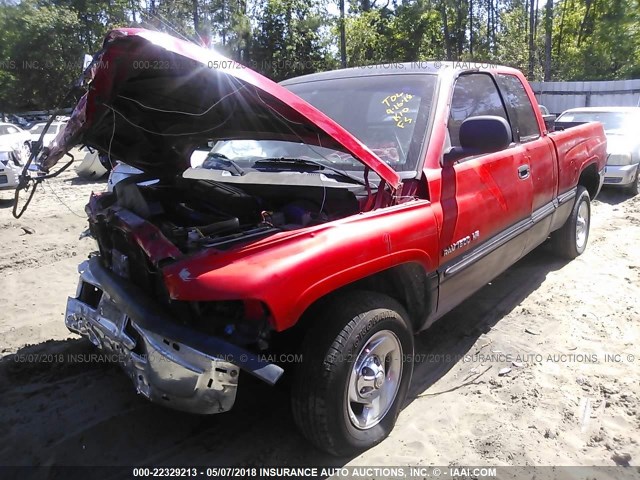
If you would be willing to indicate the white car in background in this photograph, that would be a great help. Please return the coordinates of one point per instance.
(36, 130)
(121, 170)
(621, 126)
(13, 138)
(10, 168)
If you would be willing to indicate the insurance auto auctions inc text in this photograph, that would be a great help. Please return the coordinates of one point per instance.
(378, 472)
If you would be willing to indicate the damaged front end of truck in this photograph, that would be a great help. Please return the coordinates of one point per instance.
(189, 283)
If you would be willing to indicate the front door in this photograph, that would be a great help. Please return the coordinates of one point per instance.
(486, 200)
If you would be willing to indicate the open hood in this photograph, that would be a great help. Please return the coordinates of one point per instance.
(153, 98)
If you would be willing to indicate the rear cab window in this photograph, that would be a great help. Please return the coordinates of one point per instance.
(524, 123)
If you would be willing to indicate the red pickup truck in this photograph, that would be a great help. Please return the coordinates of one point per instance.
(336, 215)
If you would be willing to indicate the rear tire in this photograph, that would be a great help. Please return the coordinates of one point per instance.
(355, 371)
(571, 239)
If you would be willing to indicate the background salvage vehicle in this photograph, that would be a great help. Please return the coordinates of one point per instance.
(623, 141)
(12, 137)
(337, 215)
(36, 131)
(10, 168)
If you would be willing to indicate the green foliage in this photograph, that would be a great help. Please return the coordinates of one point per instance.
(43, 45)
(367, 40)
(597, 43)
(291, 39)
(42, 41)
(40, 45)
(512, 47)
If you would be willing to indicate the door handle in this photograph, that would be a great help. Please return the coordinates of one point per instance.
(523, 172)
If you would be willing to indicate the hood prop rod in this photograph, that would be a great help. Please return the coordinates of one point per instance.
(25, 180)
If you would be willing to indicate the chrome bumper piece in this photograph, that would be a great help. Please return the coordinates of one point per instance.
(161, 357)
(620, 174)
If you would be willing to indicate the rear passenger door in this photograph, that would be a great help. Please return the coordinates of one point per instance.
(538, 151)
(486, 199)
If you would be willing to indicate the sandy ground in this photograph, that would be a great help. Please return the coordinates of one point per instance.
(569, 332)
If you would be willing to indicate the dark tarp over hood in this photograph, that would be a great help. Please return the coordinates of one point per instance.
(153, 98)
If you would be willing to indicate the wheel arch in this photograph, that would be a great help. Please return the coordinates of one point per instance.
(408, 283)
(590, 179)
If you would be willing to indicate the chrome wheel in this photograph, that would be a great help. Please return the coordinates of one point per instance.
(582, 225)
(357, 363)
(374, 380)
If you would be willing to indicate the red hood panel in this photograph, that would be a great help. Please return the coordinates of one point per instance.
(168, 96)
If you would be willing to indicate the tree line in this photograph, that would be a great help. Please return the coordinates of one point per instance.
(42, 41)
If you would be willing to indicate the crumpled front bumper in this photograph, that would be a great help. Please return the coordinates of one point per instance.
(168, 363)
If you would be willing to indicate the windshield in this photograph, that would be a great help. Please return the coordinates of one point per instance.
(8, 129)
(611, 120)
(389, 114)
(37, 129)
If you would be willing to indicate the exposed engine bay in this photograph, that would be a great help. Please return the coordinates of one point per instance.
(140, 227)
(194, 213)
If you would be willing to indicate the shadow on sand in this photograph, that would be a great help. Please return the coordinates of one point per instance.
(73, 412)
(612, 196)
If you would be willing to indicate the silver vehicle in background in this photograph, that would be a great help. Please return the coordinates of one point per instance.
(36, 130)
(622, 127)
(14, 138)
(10, 168)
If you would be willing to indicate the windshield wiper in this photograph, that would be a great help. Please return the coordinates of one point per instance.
(218, 161)
(302, 162)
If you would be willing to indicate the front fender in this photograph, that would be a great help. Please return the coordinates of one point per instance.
(290, 271)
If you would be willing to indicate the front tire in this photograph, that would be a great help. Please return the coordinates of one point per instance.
(570, 240)
(355, 371)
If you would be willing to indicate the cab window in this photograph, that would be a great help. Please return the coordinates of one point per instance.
(524, 123)
(474, 94)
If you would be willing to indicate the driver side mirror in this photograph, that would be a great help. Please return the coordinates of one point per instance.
(480, 135)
